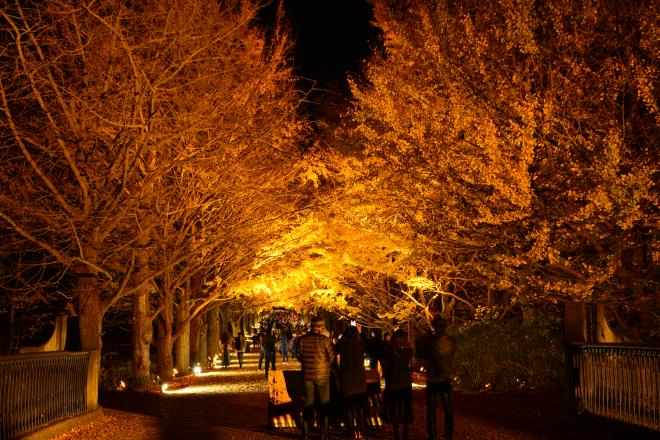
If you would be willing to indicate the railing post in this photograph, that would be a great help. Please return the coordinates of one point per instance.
(93, 371)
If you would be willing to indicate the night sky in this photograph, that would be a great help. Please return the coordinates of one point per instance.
(332, 37)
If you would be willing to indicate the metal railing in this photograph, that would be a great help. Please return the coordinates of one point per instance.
(39, 389)
(617, 382)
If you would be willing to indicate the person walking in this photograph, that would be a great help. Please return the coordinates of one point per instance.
(315, 352)
(224, 339)
(350, 349)
(268, 346)
(294, 345)
(396, 361)
(262, 353)
(255, 341)
(240, 344)
(284, 345)
(440, 350)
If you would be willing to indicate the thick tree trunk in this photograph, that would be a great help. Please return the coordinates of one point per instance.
(182, 343)
(165, 342)
(164, 350)
(213, 335)
(195, 331)
(203, 352)
(142, 326)
(89, 311)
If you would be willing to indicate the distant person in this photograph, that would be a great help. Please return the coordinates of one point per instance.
(351, 348)
(224, 339)
(284, 346)
(262, 353)
(373, 349)
(315, 353)
(294, 345)
(255, 341)
(240, 344)
(397, 401)
(440, 351)
(268, 346)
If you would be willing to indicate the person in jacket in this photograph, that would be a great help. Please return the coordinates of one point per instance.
(284, 346)
(440, 351)
(240, 344)
(315, 352)
(268, 346)
(225, 340)
(397, 402)
(262, 353)
(350, 349)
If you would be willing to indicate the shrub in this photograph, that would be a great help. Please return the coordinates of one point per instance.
(509, 356)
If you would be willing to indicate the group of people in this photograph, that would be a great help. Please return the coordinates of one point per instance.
(317, 354)
(238, 344)
(269, 342)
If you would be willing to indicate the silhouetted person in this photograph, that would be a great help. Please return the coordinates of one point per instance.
(440, 351)
(396, 362)
(268, 346)
(255, 343)
(284, 346)
(224, 339)
(315, 353)
(352, 377)
(262, 353)
(240, 345)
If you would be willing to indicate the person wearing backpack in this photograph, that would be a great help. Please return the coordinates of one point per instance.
(239, 346)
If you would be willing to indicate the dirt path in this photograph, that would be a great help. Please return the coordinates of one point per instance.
(232, 404)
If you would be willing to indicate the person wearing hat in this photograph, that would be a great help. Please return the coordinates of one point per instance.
(315, 352)
(440, 356)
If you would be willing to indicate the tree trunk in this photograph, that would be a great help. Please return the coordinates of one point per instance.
(164, 350)
(203, 352)
(213, 335)
(182, 343)
(142, 326)
(89, 311)
(195, 330)
(165, 342)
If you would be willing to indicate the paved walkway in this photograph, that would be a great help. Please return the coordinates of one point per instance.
(232, 404)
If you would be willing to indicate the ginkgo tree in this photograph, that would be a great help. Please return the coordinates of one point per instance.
(107, 110)
(517, 140)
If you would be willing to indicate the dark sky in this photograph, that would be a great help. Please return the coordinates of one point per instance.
(331, 36)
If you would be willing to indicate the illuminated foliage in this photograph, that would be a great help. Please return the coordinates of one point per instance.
(142, 143)
(517, 139)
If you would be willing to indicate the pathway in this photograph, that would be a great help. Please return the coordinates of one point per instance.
(232, 404)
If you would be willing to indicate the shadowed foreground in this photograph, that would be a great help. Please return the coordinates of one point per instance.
(232, 404)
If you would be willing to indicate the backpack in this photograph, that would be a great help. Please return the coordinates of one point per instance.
(237, 342)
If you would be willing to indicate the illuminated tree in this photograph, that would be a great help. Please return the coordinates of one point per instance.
(516, 139)
(106, 109)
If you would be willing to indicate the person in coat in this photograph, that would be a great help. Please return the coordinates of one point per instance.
(284, 346)
(315, 352)
(240, 344)
(439, 354)
(351, 349)
(268, 346)
(397, 358)
(225, 340)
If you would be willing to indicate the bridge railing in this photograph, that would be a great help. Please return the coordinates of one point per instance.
(41, 388)
(617, 382)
